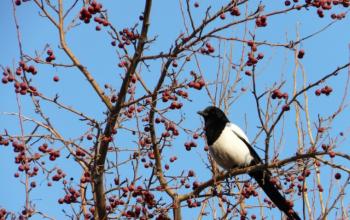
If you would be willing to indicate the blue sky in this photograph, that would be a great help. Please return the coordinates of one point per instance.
(324, 53)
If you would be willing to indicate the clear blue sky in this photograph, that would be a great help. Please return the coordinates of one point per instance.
(324, 53)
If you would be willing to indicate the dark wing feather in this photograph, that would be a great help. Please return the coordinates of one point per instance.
(262, 177)
(256, 157)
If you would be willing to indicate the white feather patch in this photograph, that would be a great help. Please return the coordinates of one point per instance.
(228, 150)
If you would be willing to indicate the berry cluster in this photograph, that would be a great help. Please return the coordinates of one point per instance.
(190, 174)
(71, 196)
(235, 11)
(170, 127)
(249, 190)
(145, 141)
(182, 93)
(269, 203)
(261, 21)
(59, 175)
(101, 21)
(172, 159)
(279, 95)
(197, 84)
(322, 6)
(18, 146)
(193, 203)
(50, 56)
(79, 153)
(54, 154)
(208, 49)
(252, 45)
(339, 16)
(325, 90)
(188, 145)
(20, 87)
(85, 178)
(252, 60)
(328, 148)
(167, 94)
(175, 105)
(86, 13)
(142, 197)
(127, 37)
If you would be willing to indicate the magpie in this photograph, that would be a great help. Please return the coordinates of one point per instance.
(230, 148)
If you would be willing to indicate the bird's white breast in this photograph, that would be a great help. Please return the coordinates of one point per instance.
(229, 150)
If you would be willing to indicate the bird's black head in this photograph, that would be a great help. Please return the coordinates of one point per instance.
(215, 122)
(212, 113)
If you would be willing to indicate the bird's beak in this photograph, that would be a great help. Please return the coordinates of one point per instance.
(201, 113)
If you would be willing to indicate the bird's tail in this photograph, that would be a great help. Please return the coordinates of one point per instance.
(263, 179)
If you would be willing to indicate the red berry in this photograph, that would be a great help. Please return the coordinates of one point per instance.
(301, 178)
(32, 70)
(197, 85)
(321, 129)
(337, 176)
(235, 11)
(166, 166)
(18, 71)
(260, 56)
(285, 96)
(331, 154)
(33, 184)
(191, 173)
(98, 28)
(320, 188)
(56, 78)
(286, 108)
(211, 49)
(5, 80)
(49, 52)
(105, 23)
(250, 43)
(318, 92)
(196, 4)
(301, 54)
(201, 82)
(89, 137)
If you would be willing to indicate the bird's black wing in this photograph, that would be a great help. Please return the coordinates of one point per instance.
(262, 177)
(253, 153)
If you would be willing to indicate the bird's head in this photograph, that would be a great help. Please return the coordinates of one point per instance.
(213, 114)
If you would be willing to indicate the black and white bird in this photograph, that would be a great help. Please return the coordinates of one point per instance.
(230, 148)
